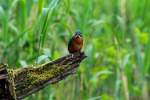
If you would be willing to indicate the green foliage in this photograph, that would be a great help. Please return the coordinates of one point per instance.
(116, 40)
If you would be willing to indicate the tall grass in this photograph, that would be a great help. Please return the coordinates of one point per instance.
(116, 40)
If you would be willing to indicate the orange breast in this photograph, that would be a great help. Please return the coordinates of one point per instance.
(79, 40)
(76, 45)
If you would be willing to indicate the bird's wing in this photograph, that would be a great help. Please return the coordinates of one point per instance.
(70, 42)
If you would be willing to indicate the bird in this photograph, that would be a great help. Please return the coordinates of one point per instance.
(75, 44)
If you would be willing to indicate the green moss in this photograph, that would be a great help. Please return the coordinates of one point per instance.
(31, 77)
(36, 76)
(11, 82)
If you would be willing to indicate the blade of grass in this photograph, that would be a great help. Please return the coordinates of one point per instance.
(44, 22)
(17, 38)
(4, 22)
(147, 58)
(21, 14)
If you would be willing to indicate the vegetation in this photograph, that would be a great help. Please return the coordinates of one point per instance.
(116, 40)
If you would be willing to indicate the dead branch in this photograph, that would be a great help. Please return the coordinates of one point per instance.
(19, 83)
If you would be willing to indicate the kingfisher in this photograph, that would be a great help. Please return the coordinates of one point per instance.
(76, 43)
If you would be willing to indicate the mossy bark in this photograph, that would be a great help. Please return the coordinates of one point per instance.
(25, 81)
(4, 84)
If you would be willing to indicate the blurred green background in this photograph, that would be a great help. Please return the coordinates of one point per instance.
(116, 40)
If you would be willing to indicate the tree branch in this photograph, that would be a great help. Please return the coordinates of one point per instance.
(22, 82)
